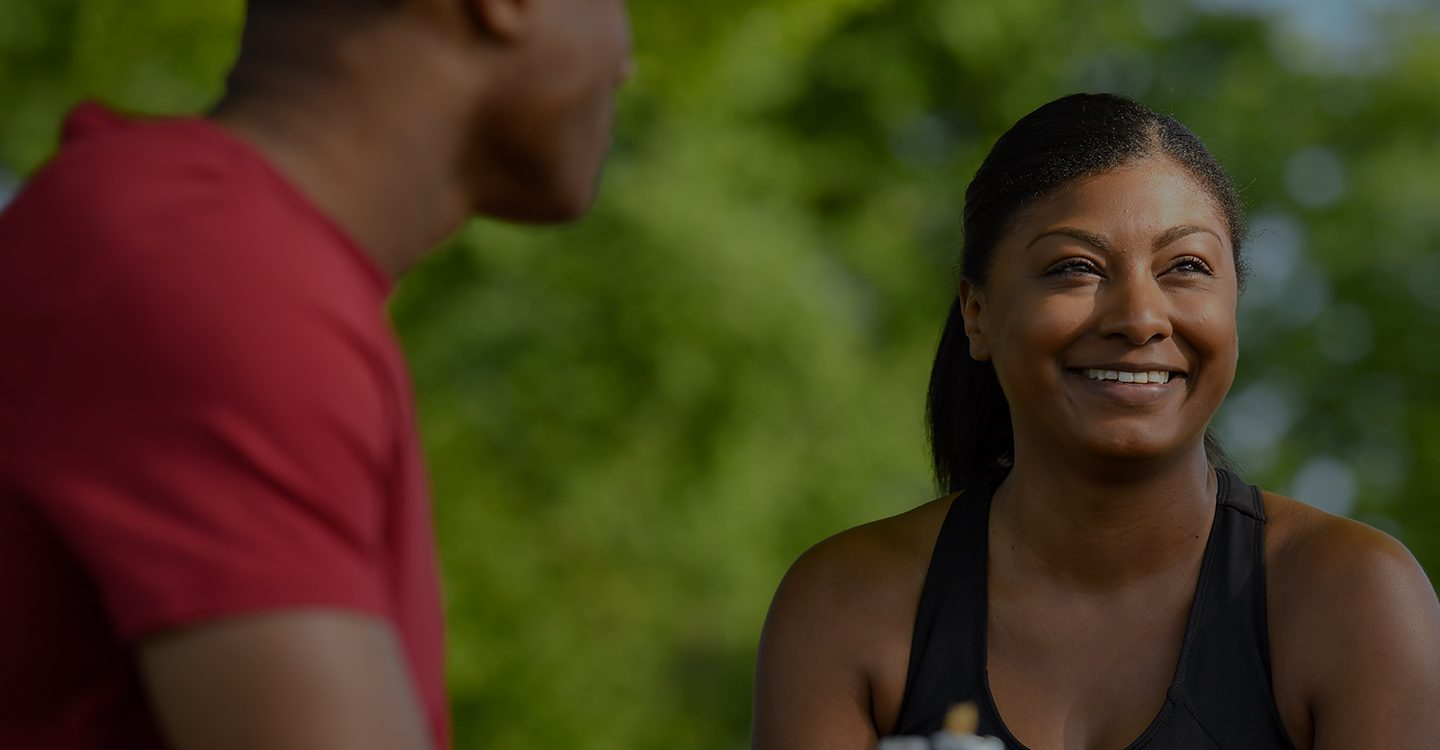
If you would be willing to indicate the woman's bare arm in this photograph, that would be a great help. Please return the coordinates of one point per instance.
(1356, 630)
(810, 691)
(836, 645)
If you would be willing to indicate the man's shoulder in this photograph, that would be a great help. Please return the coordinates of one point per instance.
(158, 187)
(109, 165)
(165, 264)
(174, 211)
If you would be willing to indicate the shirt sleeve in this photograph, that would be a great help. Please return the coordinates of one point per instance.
(210, 438)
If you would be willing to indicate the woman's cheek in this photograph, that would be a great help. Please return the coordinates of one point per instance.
(1214, 333)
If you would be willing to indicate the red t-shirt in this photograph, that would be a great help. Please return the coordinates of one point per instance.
(203, 414)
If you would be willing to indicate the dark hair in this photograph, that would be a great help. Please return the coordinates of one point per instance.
(284, 39)
(338, 6)
(1070, 138)
(302, 16)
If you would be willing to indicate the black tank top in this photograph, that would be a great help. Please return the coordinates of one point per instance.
(1220, 696)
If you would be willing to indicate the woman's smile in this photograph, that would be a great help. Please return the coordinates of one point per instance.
(1126, 386)
(1138, 377)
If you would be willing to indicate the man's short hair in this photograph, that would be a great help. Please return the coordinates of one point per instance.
(297, 33)
(325, 6)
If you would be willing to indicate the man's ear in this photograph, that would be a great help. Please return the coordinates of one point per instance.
(972, 308)
(500, 20)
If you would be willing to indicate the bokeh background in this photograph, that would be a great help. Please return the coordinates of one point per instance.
(634, 424)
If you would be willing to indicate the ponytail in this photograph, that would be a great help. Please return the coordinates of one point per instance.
(968, 418)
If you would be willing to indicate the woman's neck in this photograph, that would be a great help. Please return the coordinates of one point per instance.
(1098, 525)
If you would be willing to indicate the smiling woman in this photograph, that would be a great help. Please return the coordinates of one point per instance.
(1097, 578)
(1076, 139)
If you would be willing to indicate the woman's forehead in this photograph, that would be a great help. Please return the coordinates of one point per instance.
(1146, 198)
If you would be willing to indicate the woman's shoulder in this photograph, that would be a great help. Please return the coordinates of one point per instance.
(883, 559)
(851, 600)
(1323, 565)
(1307, 548)
(842, 620)
(1352, 617)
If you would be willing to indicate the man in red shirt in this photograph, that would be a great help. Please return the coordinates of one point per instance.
(214, 528)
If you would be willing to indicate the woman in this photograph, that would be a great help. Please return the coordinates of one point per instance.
(1096, 580)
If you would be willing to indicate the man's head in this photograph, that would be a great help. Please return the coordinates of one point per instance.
(528, 85)
(327, 6)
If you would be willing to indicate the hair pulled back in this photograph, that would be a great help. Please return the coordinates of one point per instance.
(1066, 140)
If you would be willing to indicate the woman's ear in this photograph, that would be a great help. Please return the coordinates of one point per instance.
(972, 308)
(501, 20)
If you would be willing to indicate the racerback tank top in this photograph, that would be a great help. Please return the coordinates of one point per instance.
(1220, 695)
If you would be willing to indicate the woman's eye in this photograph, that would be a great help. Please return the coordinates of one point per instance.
(1191, 264)
(1072, 267)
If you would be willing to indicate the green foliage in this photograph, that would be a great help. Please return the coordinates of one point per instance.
(636, 423)
(153, 56)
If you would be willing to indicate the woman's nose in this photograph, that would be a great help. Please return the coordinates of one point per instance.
(1135, 307)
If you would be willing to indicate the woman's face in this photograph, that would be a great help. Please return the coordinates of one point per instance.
(1109, 315)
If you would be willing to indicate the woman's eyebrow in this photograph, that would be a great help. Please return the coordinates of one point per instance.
(1184, 230)
(1100, 243)
(1089, 238)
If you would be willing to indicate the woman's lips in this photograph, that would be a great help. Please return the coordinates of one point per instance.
(1116, 388)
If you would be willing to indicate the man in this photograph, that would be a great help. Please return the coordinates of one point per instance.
(214, 531)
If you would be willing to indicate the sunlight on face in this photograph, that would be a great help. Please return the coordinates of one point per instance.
(1110, 316)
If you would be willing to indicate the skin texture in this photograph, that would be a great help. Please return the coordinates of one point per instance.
(402, 126)
(1094, 560)
(398, 126)
(302, 679)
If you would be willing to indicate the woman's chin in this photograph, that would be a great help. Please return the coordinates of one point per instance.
(1135, 446)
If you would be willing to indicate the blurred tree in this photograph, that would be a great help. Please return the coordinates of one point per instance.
(635, 424)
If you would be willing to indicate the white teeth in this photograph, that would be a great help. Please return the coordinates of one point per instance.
(1153, 376)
